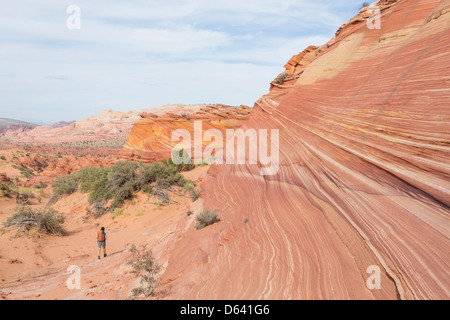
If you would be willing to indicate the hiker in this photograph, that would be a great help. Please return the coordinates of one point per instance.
(101, 240)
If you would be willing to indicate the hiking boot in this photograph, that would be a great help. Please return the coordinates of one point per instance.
(98, 257)
(104, 255)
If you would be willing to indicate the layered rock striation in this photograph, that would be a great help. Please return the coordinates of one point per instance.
(363, 187)
(151, 136)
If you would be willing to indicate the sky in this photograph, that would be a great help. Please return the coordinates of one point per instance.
(136, 54)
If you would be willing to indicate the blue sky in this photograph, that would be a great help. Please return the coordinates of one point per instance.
(141, 54)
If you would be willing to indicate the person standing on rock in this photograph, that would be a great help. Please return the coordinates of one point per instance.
(101, 240)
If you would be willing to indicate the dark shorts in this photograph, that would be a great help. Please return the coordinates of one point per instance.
(101, 244)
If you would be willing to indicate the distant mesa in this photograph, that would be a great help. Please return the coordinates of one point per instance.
(15, 125)
(61, 124)
(4, 122)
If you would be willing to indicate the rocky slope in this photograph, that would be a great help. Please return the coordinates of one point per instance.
(363, 179)
(150, 138)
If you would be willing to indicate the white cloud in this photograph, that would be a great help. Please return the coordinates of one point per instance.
(179, 40)
(136, 54)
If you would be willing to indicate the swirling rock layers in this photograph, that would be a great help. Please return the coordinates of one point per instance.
(363, 179)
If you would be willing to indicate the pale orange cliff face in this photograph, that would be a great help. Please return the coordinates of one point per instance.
(363, 179)
(151, 136)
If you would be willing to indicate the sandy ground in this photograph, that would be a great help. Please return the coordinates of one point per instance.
(35, 266)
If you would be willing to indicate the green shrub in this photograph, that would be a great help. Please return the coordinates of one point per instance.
(5, 190)
(117, 212)
(205, 219)
(121, 181)
(3, 157)
(147, 188)
(188, 186)
(24, 170)
(88, 177)
(186, 164)
(66, 184)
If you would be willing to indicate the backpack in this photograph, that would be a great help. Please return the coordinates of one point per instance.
(101, 236)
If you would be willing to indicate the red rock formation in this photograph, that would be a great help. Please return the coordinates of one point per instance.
(51, 168)
(363, 179)
(150, 138)
(101, 135)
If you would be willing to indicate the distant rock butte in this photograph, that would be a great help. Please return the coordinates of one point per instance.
(151, 136)
(364, 179)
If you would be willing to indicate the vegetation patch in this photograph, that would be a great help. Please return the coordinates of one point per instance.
(195, 194)
(145, 267)
(44, 220)
(121, 182)
(281, 78)
(206, 218)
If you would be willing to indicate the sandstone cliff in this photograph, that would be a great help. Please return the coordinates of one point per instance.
(363, 179)
(151, 136)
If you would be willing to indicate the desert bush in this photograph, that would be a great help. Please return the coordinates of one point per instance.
(206, 218)
(185, 165)
(188, 186)
(65, 184)
(147, 188)
(117, 212)
(195, 194)
(87, 178)
(24, 198)
(5, 190)
(281, 78)
(145, 267)
(24, 170)
(45, 220)
(121, 181)
(98, 209)
(3, 157)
